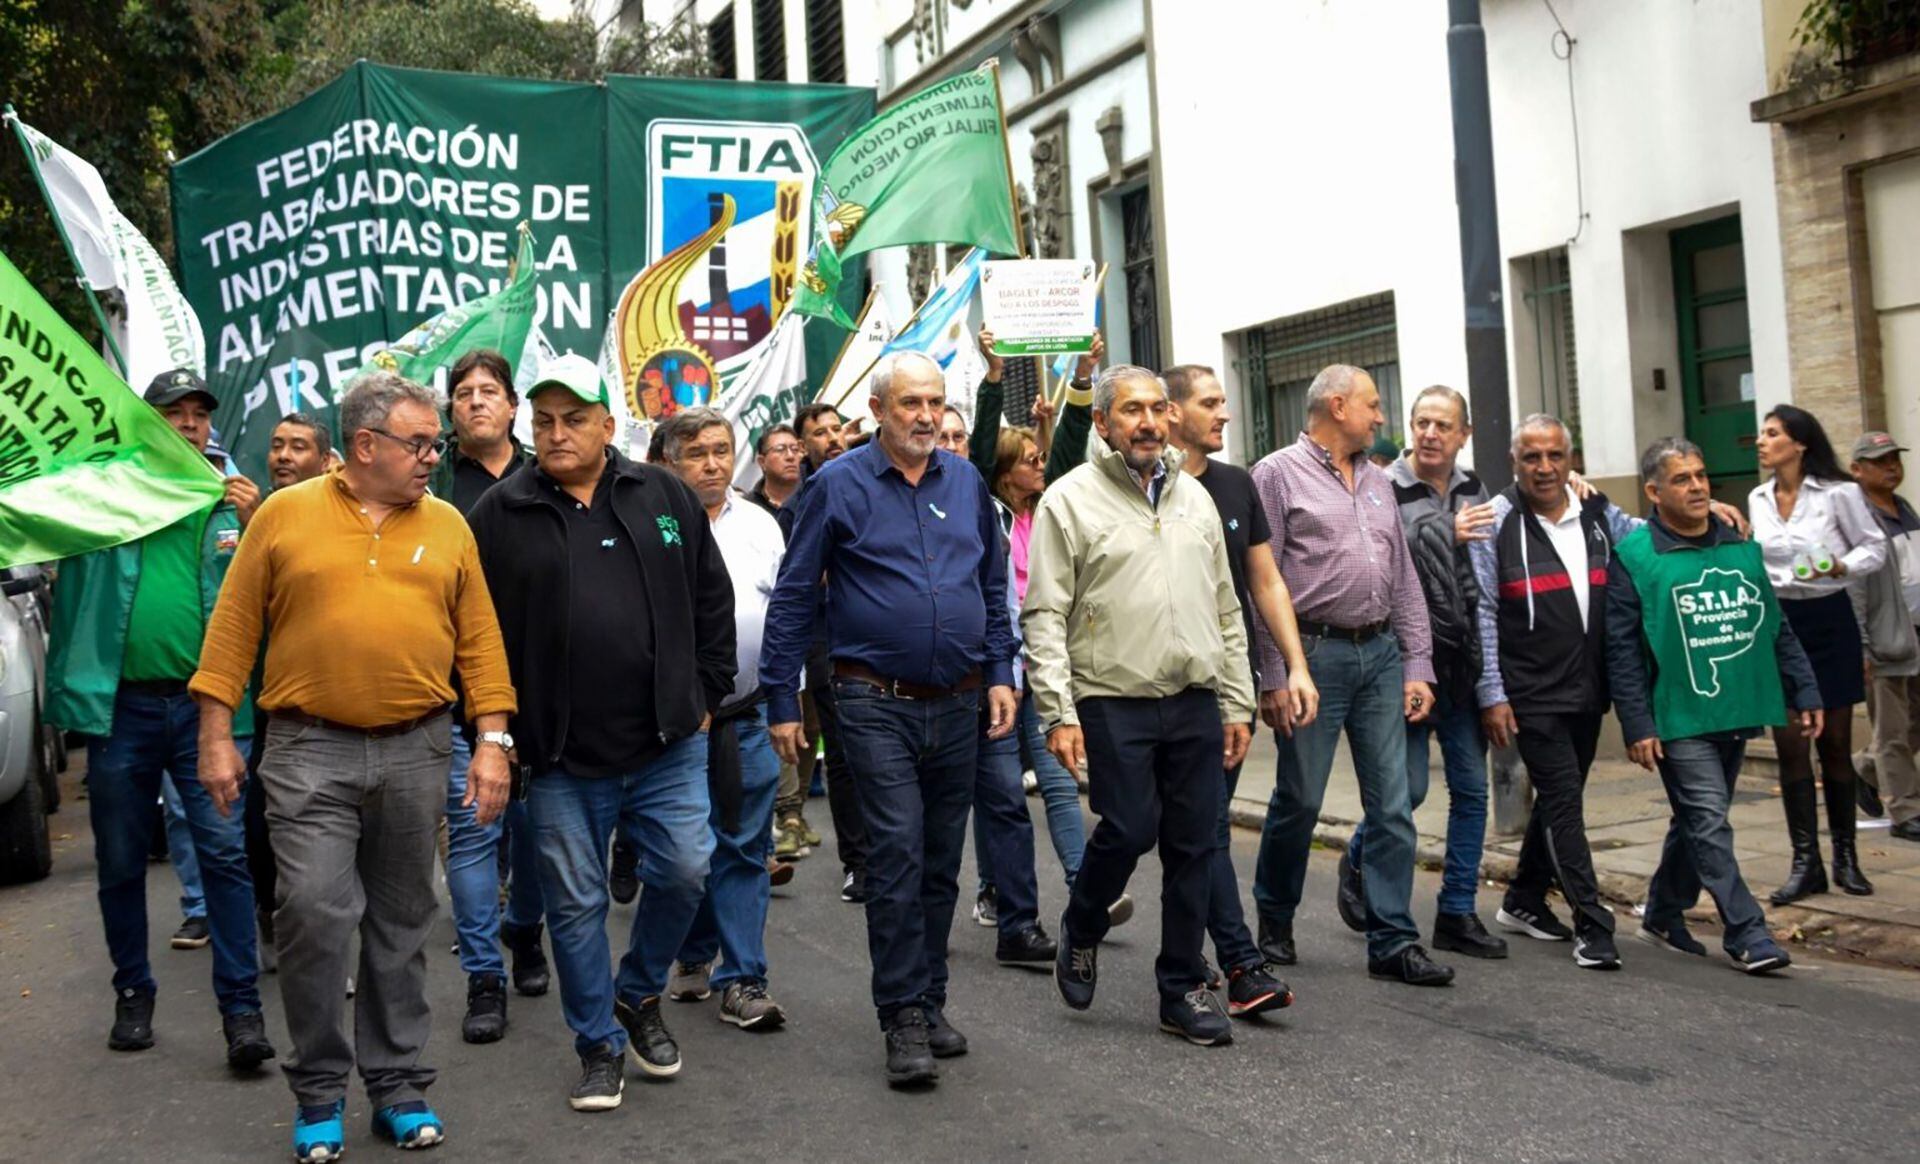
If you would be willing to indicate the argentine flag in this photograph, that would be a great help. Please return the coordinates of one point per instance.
(942, 329)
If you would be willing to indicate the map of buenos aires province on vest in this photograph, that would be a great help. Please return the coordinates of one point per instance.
(1711, 621)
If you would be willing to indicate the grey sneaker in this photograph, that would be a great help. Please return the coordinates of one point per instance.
(745, 1004)
(689, 982)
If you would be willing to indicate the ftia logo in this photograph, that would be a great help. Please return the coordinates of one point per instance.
(727, 225)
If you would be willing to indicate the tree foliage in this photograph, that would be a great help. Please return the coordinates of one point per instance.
(131, 85)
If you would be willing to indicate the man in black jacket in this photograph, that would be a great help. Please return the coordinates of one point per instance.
(1543, 685)
(617, 612)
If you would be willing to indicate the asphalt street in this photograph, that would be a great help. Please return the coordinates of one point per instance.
(1527, 1059)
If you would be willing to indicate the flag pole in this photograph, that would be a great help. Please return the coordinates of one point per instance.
(80, 273)
(1006, 152)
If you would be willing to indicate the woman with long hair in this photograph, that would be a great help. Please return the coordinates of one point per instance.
(1818, 536)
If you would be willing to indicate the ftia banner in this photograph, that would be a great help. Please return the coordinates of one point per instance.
(311, 239)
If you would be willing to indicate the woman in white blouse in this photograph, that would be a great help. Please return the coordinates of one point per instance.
(1818, 536)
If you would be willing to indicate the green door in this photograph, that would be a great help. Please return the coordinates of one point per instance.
(1716, 352)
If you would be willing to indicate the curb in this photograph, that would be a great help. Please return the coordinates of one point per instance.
(1883, 943)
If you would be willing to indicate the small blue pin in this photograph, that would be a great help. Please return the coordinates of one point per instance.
(607, 543)
(936, 511)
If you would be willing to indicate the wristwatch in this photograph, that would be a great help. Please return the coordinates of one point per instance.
(500, 740)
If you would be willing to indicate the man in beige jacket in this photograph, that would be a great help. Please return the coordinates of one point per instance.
(1156, 707)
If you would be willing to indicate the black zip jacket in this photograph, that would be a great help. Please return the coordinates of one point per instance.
(522, 536)
(1630, 664)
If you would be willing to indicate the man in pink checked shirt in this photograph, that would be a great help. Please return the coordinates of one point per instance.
(1363, 625)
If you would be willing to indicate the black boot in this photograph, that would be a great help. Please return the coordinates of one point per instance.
(1806, 877)
(1841, 801)
(531, 976)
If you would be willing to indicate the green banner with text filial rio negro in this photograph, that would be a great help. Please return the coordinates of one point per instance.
(311, 239)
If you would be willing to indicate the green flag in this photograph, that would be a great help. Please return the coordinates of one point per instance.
(499, 321)
(931, 169)
(84, 463)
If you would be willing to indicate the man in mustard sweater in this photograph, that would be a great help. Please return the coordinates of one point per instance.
(376, 597)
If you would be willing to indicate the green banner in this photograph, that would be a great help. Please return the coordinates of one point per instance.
(84, 463)
(392, 195)
(931, 169)
(499, 321)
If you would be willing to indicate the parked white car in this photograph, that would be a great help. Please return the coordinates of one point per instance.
(31, 755)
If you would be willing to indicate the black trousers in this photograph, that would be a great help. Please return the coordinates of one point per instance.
(1558, 751)
(1154, 777)
(843, 796)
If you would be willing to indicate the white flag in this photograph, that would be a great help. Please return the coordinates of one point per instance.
(161, 331)
(771, 389)
(862, 351)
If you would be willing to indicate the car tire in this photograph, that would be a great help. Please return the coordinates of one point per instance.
(26, 849)
(50, 768)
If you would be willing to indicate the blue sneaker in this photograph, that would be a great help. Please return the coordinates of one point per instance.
(1764, 956)
(318, 1135)
(1673, 936)
(409, 1125)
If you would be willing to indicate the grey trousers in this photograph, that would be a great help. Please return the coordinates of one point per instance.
(353, 822)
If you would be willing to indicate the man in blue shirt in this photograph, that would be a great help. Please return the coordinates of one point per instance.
(907, 537)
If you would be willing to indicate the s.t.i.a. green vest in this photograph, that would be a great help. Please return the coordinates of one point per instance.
(1709, 616)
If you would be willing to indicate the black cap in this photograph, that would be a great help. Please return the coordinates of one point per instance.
(170, 387)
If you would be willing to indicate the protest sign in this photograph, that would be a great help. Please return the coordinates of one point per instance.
(1039, 306)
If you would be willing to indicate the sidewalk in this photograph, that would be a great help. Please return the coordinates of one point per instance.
(1626, 823)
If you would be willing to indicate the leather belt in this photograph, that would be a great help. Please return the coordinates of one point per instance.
(154, 687)
(1351, 634)
(900, 688)
(383, 731)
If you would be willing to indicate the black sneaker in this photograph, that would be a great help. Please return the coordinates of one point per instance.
(943, 1039)
(1870, 803)
(1028, 946)
(909, 1055)
(654, 1050)
(247, 1045)
(192, 934)
(1672, 936)
(132, 1021)
(1198, 1018)
(1595, 951)
(1410, 965)
(986, 908)
(1906, 830)
(1763, 957)
(486, 1019)
(1121, 911)
(623, 878)
(854, 888)
(1533, 919)
(1276, 942)
(1251, 990)
(1076, 970)
(1462, 933)
(531, 974)
(1351, 900)
(602, 1080)
(1210, 976)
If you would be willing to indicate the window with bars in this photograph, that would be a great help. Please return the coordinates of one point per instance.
(1544, 348)
(1284, 356)
(769, 40)
(826, 42)
(1143, 302)
(720, 44)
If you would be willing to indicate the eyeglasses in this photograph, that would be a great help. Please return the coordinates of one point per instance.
(1034, 461)
(785, 450)
(420, 447)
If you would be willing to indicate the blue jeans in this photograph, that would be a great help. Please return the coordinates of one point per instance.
(1003, 832)
(156, 738)
(186, 866)
(573, 818)
(1058, 790)
(1226, 921)
(913, 763)
(1463, 756)
(473, 871)
(1360, 694)
(1699, 775)
(733, 915)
